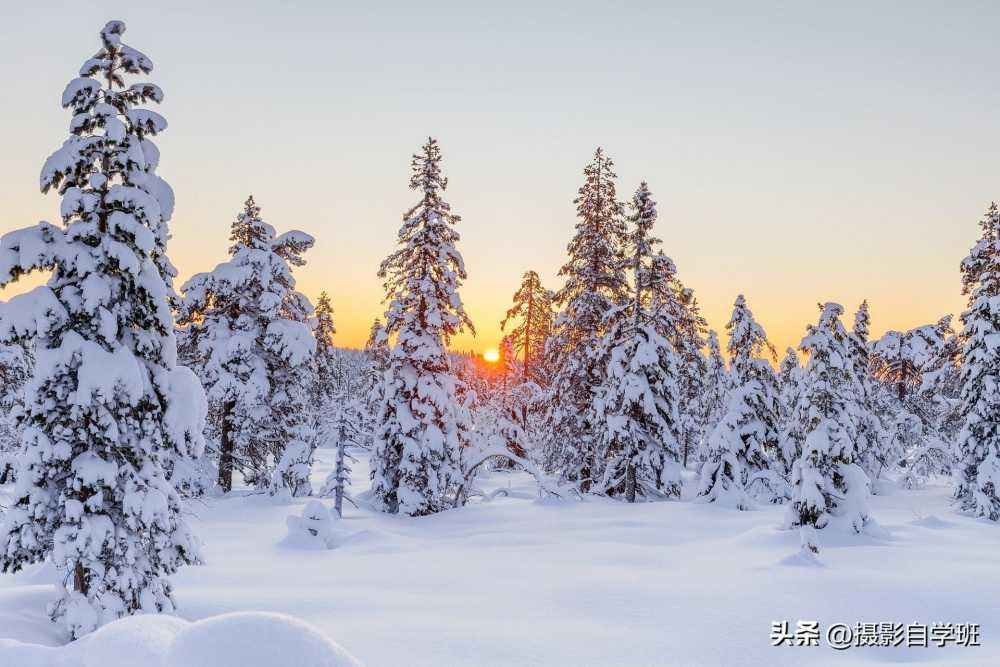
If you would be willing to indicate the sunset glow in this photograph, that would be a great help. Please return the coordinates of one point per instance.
(792, 196)
(491, 355)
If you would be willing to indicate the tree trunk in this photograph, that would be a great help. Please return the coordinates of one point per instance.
(630, 482)
(80, 582)
(226, 452)
(338, 502)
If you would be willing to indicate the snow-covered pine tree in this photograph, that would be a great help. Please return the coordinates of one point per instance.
(907, 366)
(941, 381)
(533, 308)
(936, 408)
(343, 427)
(376, 362)
(978, 448)
(871, 431)
(896, 360)
(595, 283)
(745, 458)
(679, 320)
(325, 369)
(712, 403)
(106, 405)
(251, 330)
(422, 425)
(827, 481)
(688, 339)
(789, 389)
(635, 413)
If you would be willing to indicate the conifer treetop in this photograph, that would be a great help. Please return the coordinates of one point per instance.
(747, 341)
(862, 322)
(595, 278)
(325, 328)
(983, 254)
(424, 273)
(533, 307)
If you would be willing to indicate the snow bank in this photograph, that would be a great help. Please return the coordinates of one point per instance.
(244, 639)
(255, 639)
(137, 640)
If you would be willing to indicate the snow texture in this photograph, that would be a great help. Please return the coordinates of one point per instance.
(523, 581)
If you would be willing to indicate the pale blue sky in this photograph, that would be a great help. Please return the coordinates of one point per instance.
(799, 151)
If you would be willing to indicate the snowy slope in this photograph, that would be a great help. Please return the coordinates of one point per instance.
(522, 582)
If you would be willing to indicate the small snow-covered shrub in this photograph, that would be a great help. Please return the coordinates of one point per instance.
(314, 529)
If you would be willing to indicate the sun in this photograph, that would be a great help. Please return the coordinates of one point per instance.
(491, 355)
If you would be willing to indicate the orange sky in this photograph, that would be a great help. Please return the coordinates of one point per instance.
(798, 154)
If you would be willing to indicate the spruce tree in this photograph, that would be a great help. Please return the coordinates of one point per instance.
(679, 320)
(789, 390)
(744, 454)
(635, 411)
(712, 402)
(422, 426)
(325, 366)
(106, 406)
(533, 307)
(376, 356)
(910, 369)
(342, 428)
(827, 481)
(595, 283)
(871, 431)
(688, 339)
(250, 328)
(978, 448)
(937, 408)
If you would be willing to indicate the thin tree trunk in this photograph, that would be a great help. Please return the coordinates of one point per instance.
(338, 502)
(630, 482)
(226, 451)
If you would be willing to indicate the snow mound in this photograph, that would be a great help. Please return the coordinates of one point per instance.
(31, 655)
(255, 639)
(243, 639)
(315, 529)
(136, 640)
(802, 558)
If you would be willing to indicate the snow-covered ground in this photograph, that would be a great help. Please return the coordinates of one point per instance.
(518, 581)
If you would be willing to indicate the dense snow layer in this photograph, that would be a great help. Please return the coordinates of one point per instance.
(240, 639)
(255, 639)
(521, 582)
